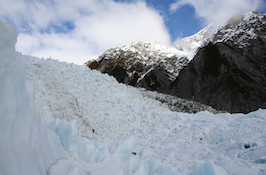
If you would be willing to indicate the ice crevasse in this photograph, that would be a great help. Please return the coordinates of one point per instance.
(29, 147)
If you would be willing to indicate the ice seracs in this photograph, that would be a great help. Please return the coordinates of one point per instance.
(165, 142)
(27, 146)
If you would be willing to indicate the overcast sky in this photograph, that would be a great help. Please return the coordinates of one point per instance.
(79, 30)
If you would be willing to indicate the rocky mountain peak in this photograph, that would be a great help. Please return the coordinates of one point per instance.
(229, 72)
(142, 64)
(192, 43)
(241, 29)
(149, 64)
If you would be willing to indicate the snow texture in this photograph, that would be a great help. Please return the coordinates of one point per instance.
(26, 146)
(98, 126)
(190, 44)
(165, 142)
(152, 49)
(149, 54)
(241, 29)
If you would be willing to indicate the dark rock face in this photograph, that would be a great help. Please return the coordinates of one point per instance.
(153, 77)
(140, 65)
(228, 75)
(156, 80)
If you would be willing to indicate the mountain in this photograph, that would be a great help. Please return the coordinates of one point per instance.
(150, 65)
(91, 124)
(143, 64)
(74, 101)
(229, 72)
(192, 43)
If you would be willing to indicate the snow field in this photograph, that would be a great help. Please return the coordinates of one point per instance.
(165, 142)
(125, 132)
(27, 146)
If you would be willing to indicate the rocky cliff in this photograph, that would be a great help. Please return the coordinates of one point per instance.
(142, 64)
(150, 65)
(229, 73)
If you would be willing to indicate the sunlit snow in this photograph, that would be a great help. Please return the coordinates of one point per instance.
(98, 126)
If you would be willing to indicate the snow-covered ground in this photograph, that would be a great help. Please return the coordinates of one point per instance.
(124, 131)
(27, 146)
(108, 112)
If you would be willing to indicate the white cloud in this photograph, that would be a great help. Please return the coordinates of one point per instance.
(98, 26)
(218, 12)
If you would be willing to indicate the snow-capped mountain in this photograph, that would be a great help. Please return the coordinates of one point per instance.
(229, 72)
(126, 132)
(241, 29)
(149, 64)
(192, 43)
(142, 64)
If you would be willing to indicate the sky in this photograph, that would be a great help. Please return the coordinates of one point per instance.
(76, 31)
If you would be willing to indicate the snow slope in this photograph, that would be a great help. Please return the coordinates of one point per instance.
(27, 146)
(132, 134)
(190, 44)
(164, 141)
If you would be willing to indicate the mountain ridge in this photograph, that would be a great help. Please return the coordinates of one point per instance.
(236, 44)
(229, 73)
(149, 65)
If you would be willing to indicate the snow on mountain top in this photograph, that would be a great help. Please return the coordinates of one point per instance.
(253, 17)
(241, 30)
(191, 43)
(185, 47)
(149, 49)
(197, 39)
(145, 55)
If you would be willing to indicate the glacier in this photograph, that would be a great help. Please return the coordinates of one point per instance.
(91, 124)
(29, 146)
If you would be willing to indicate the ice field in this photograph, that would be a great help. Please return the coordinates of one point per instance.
(84, 122)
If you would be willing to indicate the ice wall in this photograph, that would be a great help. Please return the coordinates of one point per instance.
(26, 145)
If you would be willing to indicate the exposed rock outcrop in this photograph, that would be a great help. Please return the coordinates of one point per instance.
(142, 64)
(229, 73)
(150, 65)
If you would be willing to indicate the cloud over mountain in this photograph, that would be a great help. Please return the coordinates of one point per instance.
(216, 11)
(81, 30)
